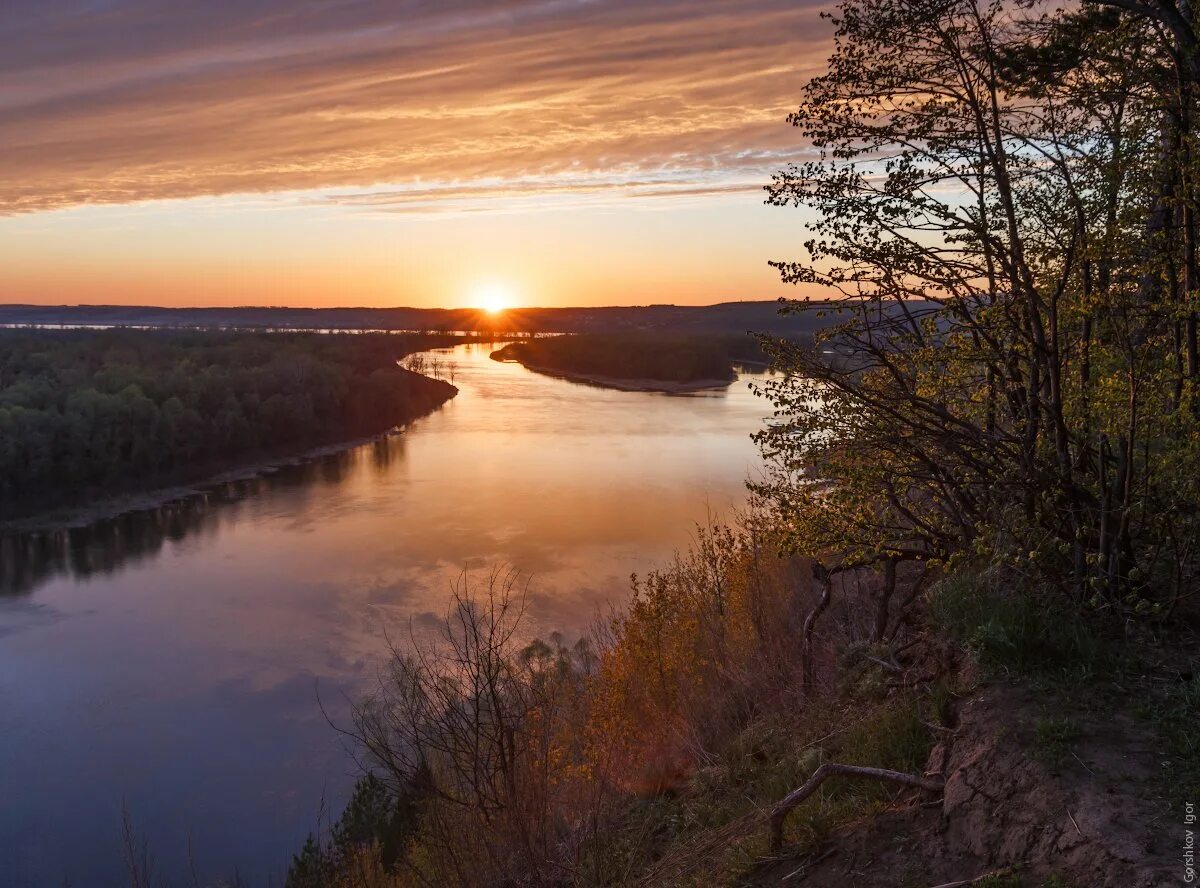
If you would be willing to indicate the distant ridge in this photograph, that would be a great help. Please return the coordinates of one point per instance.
(724, 317)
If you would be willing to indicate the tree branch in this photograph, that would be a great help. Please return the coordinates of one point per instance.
(789, 802)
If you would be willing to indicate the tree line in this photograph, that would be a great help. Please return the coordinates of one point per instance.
(82, 411)
(658, 356)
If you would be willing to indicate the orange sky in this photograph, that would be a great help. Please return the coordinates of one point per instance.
(362, 152)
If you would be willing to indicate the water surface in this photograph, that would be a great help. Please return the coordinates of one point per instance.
(172, 660)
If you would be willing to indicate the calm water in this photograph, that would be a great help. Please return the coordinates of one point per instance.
(173, 659)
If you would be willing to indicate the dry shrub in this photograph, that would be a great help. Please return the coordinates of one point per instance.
(489, 728)
(533, 759)
(704, 646)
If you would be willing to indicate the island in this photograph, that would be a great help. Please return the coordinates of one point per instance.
(637, 361)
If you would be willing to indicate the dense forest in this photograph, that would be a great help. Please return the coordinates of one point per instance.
(643, 356)
(93, 411)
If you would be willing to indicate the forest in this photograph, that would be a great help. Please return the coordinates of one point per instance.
(87, 412)
(644, 356)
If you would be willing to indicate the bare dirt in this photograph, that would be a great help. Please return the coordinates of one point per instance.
(1087, 813)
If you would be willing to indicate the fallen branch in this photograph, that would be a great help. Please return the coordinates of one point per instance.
(884, 664)
(953, 732)
(785, 807)
(975, 881)
(808, 865)
(1073, 823)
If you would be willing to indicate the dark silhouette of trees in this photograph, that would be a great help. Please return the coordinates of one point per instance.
(666, 357)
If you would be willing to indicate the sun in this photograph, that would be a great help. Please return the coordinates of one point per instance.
(492, 298)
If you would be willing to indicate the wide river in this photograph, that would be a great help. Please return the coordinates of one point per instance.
(174, 662)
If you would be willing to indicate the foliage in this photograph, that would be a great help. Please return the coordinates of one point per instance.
(375, 826)
(94, 410)
(1004, 194)
(650, 748)
(1017, 634)
(666, 357)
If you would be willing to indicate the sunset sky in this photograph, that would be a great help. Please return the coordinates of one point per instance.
(363, 152)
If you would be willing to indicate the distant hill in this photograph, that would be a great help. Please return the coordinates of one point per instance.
(726, 317)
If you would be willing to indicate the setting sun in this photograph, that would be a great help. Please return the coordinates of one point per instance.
(492, 297)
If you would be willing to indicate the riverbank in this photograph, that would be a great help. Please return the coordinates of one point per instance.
(60, 518)
(97, 423)
(70, 517)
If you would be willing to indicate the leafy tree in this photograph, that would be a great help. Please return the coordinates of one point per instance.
(1012, 373)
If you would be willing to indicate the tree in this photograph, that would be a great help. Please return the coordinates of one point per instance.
(1005, 380)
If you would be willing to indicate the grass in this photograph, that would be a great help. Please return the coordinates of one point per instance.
(715, 831)
(892, 737)
(1021, 635)
(1000, 882)
(1053, 739)
(1175, 712)
(1015, 881)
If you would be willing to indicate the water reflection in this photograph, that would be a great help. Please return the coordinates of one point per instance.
(171, 657)
(29, 560)
(104, 547)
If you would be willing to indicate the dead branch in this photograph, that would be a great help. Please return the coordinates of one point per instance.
(963, 883)
(785, 807)
(821, 576)
(885, 665)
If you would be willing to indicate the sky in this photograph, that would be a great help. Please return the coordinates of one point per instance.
(398, 152)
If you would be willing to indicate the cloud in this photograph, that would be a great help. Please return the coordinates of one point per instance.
(531, 193)
(115, 101)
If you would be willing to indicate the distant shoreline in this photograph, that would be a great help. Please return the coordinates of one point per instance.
(724, 318)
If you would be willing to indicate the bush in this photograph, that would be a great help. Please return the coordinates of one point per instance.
(1016, 627)
(648, 754)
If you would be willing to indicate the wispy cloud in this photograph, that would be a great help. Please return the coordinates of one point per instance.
(115, 101)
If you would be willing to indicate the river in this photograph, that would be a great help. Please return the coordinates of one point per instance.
(174, 661)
